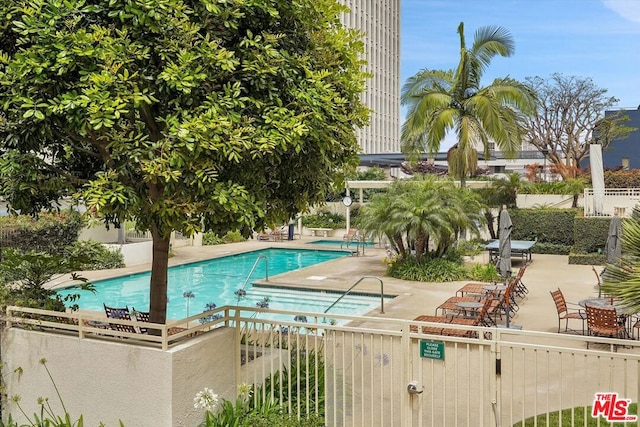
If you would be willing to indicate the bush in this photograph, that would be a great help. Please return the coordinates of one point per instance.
(325, 220)
(94, 255)
(50, 232)
(550, 248)
(622, 179)
(590, 234)
(484, 273)
(545, 225)
(211, 238)
(282, 420)
(430, 270)
(587, 259)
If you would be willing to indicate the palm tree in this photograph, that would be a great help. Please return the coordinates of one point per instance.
(623, 278)
(414, 213)
(439, 101)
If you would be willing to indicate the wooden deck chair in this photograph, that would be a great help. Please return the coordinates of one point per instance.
(565, 313)
(604, 322)
(122, 314)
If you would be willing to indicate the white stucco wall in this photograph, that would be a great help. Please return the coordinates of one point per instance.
(108, 381)
(135, 253)
(546, 200)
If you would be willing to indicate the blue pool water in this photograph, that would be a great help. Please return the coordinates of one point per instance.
(217, 280)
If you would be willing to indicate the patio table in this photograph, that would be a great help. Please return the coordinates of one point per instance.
(469, 309)
(518, 247)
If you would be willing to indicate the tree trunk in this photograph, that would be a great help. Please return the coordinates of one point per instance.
(158, 285)
(489, 217)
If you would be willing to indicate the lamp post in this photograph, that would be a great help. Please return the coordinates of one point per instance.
(544, 152)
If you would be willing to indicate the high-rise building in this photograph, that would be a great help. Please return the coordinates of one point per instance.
(380, 22)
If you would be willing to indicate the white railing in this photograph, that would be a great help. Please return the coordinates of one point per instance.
(387, 372)
(620, 200)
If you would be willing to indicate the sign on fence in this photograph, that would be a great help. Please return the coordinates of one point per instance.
(432, 349)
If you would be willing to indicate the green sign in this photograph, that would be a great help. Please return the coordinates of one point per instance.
(432, 349)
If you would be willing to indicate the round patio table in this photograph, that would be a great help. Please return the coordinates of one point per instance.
(492, 288)
(469, 308)
(601, 303)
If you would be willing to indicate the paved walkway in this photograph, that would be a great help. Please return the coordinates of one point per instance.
(537, 312)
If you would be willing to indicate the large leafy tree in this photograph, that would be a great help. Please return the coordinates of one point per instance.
(455, 100)
(178, 114)
(570, 116)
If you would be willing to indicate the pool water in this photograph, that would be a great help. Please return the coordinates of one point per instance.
(192, 286)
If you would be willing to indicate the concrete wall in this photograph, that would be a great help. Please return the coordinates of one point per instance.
(108, 381)
(134, 253)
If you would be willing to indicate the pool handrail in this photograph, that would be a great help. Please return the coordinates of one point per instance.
(255, 264)
(354, 285)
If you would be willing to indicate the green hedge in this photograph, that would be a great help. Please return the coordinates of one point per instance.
(545, 225)
(590, 234)
(50, 232)
(551, 249)
(325, 220)
(587, 259)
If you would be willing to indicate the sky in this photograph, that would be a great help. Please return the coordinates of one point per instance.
(599, 39)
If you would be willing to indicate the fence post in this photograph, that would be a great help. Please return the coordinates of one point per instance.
(406, 367)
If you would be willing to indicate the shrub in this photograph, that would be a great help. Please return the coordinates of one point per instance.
(587, 259)
(431, 270)
(590, 234)
(545, 225)
(94, 255)
(50, 232)
(484, 273)
(622, 179)
(325, 220)
(550, 248)
(211, 238)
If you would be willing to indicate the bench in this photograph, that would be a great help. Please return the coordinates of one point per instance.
(326, 232)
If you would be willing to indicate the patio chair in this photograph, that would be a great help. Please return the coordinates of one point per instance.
(141, 316)
(565, 312)
(122, 314)
(604, 322)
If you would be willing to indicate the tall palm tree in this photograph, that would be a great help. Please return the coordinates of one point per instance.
(440, 101)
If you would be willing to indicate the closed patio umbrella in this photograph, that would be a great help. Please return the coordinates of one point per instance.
(504, 252)
(504, 247)
(613, 247)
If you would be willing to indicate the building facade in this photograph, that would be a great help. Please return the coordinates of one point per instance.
(379, 20)
(625, 152)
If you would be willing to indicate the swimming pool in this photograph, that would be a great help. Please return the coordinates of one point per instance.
(192, 286)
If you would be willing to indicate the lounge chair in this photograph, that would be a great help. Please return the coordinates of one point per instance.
(565, 313)
(122, 314)
(481, 319)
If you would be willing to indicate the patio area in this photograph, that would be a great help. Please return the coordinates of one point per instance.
(537, 311)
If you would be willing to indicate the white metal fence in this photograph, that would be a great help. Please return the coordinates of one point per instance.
(501, 378)
(621, 200)
(373, 371)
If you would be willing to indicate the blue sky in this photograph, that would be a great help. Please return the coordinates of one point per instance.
(587, 38)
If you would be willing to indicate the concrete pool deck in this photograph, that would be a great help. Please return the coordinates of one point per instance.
(537, 311)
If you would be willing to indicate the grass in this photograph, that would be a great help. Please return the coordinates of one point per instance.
(573, 417)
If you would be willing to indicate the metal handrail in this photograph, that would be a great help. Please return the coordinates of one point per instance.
(255, 264)
(354, 285)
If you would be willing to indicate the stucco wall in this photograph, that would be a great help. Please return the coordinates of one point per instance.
(108, 381)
